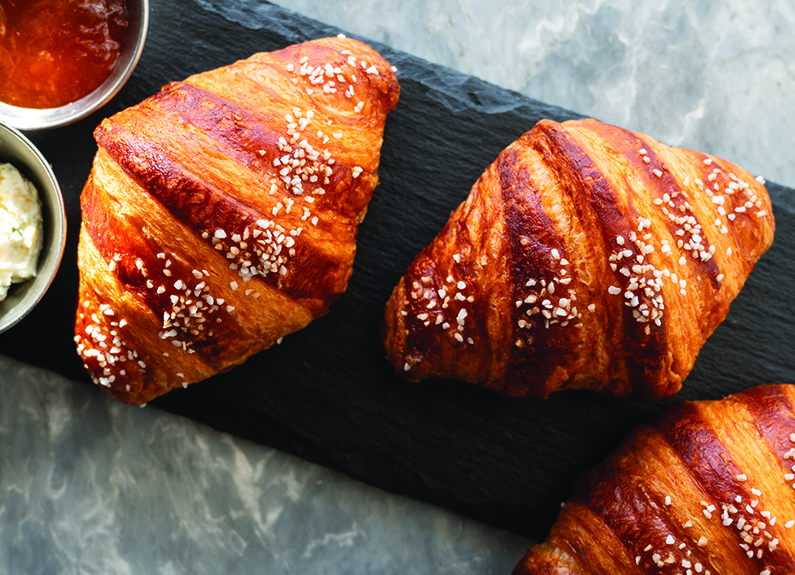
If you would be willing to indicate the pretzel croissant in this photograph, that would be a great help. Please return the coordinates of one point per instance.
(708, 488)
(221, 214)
(586, 256)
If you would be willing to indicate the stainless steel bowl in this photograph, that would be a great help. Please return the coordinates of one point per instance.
(16, 149)
(39, 119)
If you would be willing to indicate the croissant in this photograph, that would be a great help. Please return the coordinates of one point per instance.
(586, 256)
(221, 214)
(707, 488)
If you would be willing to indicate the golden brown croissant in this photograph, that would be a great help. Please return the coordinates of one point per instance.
(586, 256)
(708, 488)
(221, 214)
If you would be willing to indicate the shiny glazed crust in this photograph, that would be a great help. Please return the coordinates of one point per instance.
(707, 488)
(221, 214)
(586, 256)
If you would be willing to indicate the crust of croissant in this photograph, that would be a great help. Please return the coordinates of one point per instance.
(707, 486)
(221, 214)
(515, 293)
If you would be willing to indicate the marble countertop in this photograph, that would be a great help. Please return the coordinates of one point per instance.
(88, 485)
(711, 76)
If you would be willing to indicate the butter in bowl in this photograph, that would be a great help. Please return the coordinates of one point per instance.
(32, 226)
(21, 228)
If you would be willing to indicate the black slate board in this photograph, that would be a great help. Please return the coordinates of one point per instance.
(328, 393)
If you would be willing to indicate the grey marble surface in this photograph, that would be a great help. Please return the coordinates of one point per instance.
(712, 75)
(88, 485)
(91, 486)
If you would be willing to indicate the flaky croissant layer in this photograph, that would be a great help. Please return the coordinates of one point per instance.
(221, 214)
(586, 256)
(708, 488)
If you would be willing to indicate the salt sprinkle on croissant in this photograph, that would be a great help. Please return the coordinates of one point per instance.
(586, 256)
(707, 488)
(221, 214)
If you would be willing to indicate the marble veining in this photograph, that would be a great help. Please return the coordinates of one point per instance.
(709, 75)
(89, 485)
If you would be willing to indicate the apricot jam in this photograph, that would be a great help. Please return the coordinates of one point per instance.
(53, 52)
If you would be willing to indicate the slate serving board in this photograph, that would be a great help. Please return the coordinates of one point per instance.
(327, 393)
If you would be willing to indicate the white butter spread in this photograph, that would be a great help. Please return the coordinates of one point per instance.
(20, 228)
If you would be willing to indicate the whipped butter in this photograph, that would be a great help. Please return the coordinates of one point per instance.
(20, 228)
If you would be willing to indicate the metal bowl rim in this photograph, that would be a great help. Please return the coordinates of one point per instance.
(46, 267)
(46, 118)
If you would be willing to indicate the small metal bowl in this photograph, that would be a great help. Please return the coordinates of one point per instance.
(16, 149)
(40, 119)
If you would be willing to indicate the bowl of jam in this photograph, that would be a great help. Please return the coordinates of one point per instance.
(61, 60)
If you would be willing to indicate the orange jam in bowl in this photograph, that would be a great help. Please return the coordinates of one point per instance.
(53, 52)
